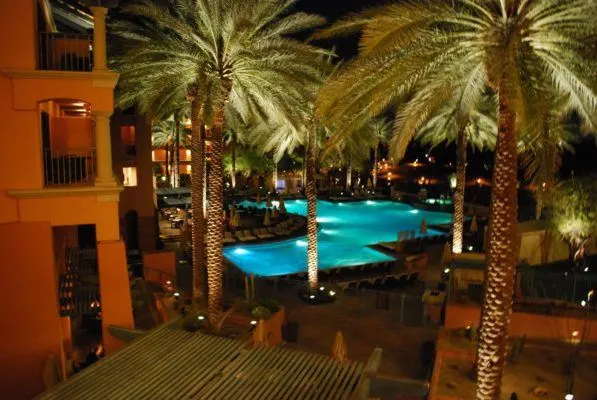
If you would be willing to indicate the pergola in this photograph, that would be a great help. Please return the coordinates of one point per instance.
(171, 363)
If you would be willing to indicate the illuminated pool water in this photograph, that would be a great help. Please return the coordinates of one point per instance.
(345, 231)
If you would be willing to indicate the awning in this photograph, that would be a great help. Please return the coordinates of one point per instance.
(180, 191)
(171, 363)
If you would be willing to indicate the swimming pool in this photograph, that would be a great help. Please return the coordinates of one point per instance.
(345, 231)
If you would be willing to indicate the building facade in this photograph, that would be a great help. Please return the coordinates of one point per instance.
(61, 253)
(132, 159)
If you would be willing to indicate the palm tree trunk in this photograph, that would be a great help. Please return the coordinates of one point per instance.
(311, 193)
(215, 222)
(233, 177)
(458, 218)
(176, 153)
(197, 204)
(501, 262)
(275, 176)
(374, 177)
(167, 162)
(349, 174)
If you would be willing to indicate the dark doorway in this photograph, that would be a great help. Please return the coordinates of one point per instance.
(86, 235)
(45, 130)
(131, 229)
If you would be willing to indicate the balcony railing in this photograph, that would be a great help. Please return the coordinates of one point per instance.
(65, 51)
(69, 166)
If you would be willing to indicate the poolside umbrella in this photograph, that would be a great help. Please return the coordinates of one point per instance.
(267, 221)
(282, 205)
(447, 254)
(474, 227)
(275, 213)
(235, 222)
(339, 348)
(260, 334)
(423, 227)
(268, 201)
(258, 200)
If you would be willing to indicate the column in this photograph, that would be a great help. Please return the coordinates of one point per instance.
(99, 38)
(105, 174)
(114, 291)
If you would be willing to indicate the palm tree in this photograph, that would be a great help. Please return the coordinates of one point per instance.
(477, 126)
(382, 128)
(523, 48)
(221, 54)
(541, 148)
(286, 136)
(235, 135)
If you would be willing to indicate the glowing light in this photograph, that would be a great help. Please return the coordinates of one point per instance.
(253, 322)
(470, 248)
(414, 211)
(168, 283)
(478, 181)
(589, 295)
(447, 270)
(240, 251)
(200, 317)
(575, 333)
(176, 294)
(586, 269)
(583, 303)
(322, 288)
(301, 243)
(569, 396)
(332, 293)
(312, 296)
(370, 203)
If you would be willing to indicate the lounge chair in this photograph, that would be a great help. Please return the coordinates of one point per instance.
(262, 234)
(248, 235)
(240, 236)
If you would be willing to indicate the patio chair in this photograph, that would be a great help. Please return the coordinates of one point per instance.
(240, 236)
(262, 234)
(248, 235)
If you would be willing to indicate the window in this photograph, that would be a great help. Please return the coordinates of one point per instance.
(152, 155)
(130, 176)
(188, 169)
(127, 135)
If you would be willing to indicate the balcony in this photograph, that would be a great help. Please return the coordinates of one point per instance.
(65, 52)
(69, 167)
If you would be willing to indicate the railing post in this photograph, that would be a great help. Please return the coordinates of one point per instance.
(99, 38)
(105, 175)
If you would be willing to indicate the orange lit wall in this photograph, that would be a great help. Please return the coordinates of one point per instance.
(533, 325)
(159, 266)
(31, 327)
(71, 133)
(114, 290)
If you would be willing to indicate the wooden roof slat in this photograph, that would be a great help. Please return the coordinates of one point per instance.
(304, 371)
(304, 391)
(276, 376)
(80, 381)
(170, 363)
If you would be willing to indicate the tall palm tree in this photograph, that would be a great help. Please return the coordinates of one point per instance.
(476, 125)
(382, 128)
(286, 136)
(524, 48)
(222, 54)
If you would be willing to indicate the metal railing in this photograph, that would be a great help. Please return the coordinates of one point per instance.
(69, 166)
(65, 51)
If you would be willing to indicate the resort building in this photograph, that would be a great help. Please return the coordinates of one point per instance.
(62, 257)
(132, 159)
